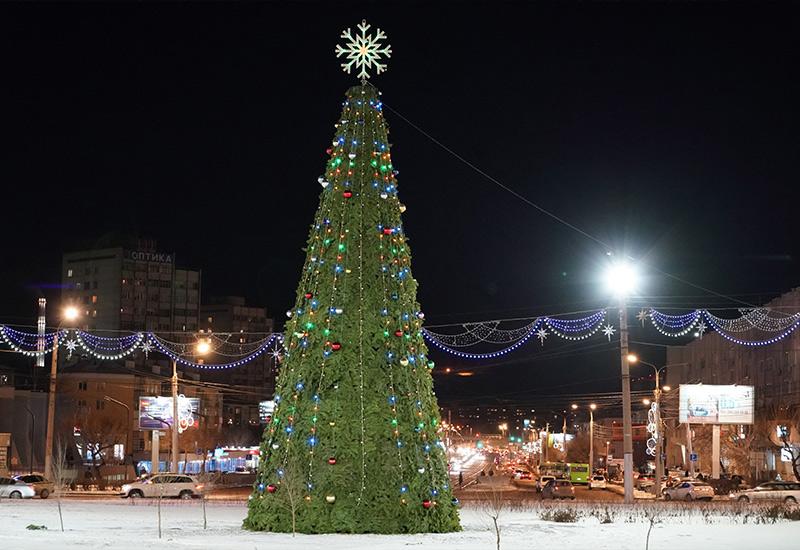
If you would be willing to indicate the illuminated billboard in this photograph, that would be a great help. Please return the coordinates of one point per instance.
(702, 404)
(155, 413)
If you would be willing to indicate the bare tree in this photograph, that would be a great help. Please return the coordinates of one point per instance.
(98, 435)
(60, 475)
(290, 491)
(493, 505)
(651, 514)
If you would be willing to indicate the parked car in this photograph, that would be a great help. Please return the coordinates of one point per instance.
(43, 486)
(542, 481)
(689, 490)
(597, 482)
(786, 491)
(11, 488)
(558, 489)
(163, 485)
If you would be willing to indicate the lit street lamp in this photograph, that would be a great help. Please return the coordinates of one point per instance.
(69, 315)
(128, 430)
(201, 348)
(621, 280)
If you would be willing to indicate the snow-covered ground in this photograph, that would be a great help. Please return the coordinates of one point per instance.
(121, 525)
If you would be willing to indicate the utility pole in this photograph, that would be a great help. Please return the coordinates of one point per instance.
(564, 435)
(591, 438)
(51, 410)
(689, 448)
(627, 428)
(33, 434)
(174, 416)
(659, 440)
(546, 440)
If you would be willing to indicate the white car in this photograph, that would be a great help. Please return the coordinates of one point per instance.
(786, 491)
(542, 481)
(11, 488)
(689, 490)
(597, 482)
(163, 485)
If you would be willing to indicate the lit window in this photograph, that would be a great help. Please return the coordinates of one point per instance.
(69, 273)
(94, 298)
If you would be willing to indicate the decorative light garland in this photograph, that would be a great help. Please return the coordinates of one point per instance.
(81, 341)
(682, 323)
(17, 341)
(751, 343)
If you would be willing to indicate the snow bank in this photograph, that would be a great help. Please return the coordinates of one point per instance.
(122, 525)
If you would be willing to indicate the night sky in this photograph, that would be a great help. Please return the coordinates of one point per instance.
(668, 131)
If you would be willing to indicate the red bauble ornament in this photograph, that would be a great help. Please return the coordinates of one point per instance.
(308, 295)
(332, 460)
(336, 346)
(387, 230)
(271, 488)
(329, 150)
(426, 504)
(347, 194)
(398, 333)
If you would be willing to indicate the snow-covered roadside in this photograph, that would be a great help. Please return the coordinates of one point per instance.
(122, 526)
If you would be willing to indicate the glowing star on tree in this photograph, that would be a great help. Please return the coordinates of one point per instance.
(609, 331)
(364, 51)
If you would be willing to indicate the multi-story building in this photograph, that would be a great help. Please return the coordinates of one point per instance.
(254, 381)
(132, 289)
(773, 370)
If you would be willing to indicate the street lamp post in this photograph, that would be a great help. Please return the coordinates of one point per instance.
(592, 407)
(202, 348)
(70, 314)
(128, 430)
(621, 279)
(657, 392)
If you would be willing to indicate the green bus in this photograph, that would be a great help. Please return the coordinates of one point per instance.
(577, 472)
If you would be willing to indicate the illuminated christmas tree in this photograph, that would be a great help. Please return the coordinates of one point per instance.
(354, 446)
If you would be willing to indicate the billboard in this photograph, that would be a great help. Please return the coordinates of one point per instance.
(702, 404)
(155, 413)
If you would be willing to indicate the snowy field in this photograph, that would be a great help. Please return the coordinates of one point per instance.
(122, 526)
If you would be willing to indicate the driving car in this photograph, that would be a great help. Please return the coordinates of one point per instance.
(163, 485)
(11, 488)
(786, 491)
(542, 481)
(43, 486)
(597, 482)
(558, 489)
(689, 490)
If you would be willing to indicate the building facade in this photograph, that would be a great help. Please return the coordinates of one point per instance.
(252, 382)
(131, 289)
(774, 372)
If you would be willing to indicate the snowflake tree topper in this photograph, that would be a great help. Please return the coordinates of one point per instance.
(364, 51)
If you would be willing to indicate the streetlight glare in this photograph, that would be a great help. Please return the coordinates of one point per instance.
(666, 388)
(71, 313)
(593, 406)
(621, 279)
(574, 406)
(203, 347)
(632, 358)
(646, 401)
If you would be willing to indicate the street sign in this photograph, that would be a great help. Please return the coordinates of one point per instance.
(693, 457)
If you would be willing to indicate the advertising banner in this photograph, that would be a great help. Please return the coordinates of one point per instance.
(155, 413)
(704, 404)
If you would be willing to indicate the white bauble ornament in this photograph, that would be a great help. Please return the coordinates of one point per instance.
(404, 362)
(351, 155)
(330, 499)
(384, 195)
